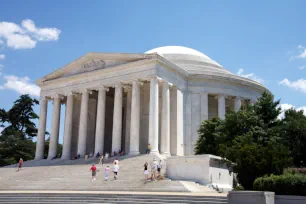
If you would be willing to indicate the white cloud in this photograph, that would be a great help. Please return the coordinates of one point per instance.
(2, 56)
(21, 85)
(299, 85)
(286, 106)
(302, 67)
(41, 34)
(17, 42)
(302, 53)
(250, 76)
(27, 35)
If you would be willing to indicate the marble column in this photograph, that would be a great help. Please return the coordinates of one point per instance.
(237, 104)
(100, 122)
(180, 123)
(117, 119)
(135, 119)
(83, 123)
(165, 120)
(55, 127)
(41, 129)
(221, 107)
(68, 127)
(153, 115)
(204, 106)
(128, 120)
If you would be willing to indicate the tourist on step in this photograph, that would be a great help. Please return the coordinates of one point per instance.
(86, 158)
(116, 161)
(98, 155)
(153, 169)
(116, 170)
(106, 156)
(146, 172)
(107, 169)
(159, 166)
(93, 170)
(20, 164)
(101, 160)
(148, 149)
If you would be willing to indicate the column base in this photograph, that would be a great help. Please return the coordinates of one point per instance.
(167, 154)
(64, 158)
(134, 153)
(156, 152)
(39, 158)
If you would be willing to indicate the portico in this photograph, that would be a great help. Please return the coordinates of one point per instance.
(123, 102)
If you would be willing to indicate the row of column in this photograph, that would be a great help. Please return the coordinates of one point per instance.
(100, 121)
(221, 105)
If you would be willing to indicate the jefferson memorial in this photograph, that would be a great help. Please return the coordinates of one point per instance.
(125, 101)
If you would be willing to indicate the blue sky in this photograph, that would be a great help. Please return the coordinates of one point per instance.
(263, 40)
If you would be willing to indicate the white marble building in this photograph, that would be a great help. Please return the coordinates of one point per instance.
(119, 101)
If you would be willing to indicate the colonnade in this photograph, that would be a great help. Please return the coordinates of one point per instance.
(100, 120)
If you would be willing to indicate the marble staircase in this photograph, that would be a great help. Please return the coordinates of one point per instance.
(75, 175)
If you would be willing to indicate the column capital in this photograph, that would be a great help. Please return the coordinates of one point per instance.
(116, 85)
(43, 98)
(85, 91)
(221, 95)
(155, 77)
(103, 88)
(70, 93)
(238, 98)
(138, 81)
(166, 82)
(56, 96)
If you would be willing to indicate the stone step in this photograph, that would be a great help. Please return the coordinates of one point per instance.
(108, 198)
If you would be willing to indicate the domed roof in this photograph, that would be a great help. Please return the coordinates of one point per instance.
(193, 61)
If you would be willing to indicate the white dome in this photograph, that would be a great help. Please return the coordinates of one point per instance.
(189, 59)
(176, 50)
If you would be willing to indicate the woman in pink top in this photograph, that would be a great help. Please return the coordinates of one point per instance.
(106, 172)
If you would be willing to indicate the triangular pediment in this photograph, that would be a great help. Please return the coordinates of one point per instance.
(92, 62)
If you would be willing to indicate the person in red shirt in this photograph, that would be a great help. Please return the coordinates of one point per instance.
(93, 170)
(20, 164)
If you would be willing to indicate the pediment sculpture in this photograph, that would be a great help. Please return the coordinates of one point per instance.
(93, 65)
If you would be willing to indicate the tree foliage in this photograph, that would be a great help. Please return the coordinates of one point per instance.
(294, 131)
(251, 138)
(19, 118)
(19, 129)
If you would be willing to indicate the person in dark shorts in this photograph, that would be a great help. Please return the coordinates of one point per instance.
(159, 166)
(93, 170)
(146, 172)
(116, 169)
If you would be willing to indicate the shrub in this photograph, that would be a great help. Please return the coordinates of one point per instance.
(286, 184)
(239, 188)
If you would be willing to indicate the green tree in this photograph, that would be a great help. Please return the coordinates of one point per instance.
(251, 139)
(294, 131)
(19, 118)
(209, 136)
(19, 129)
